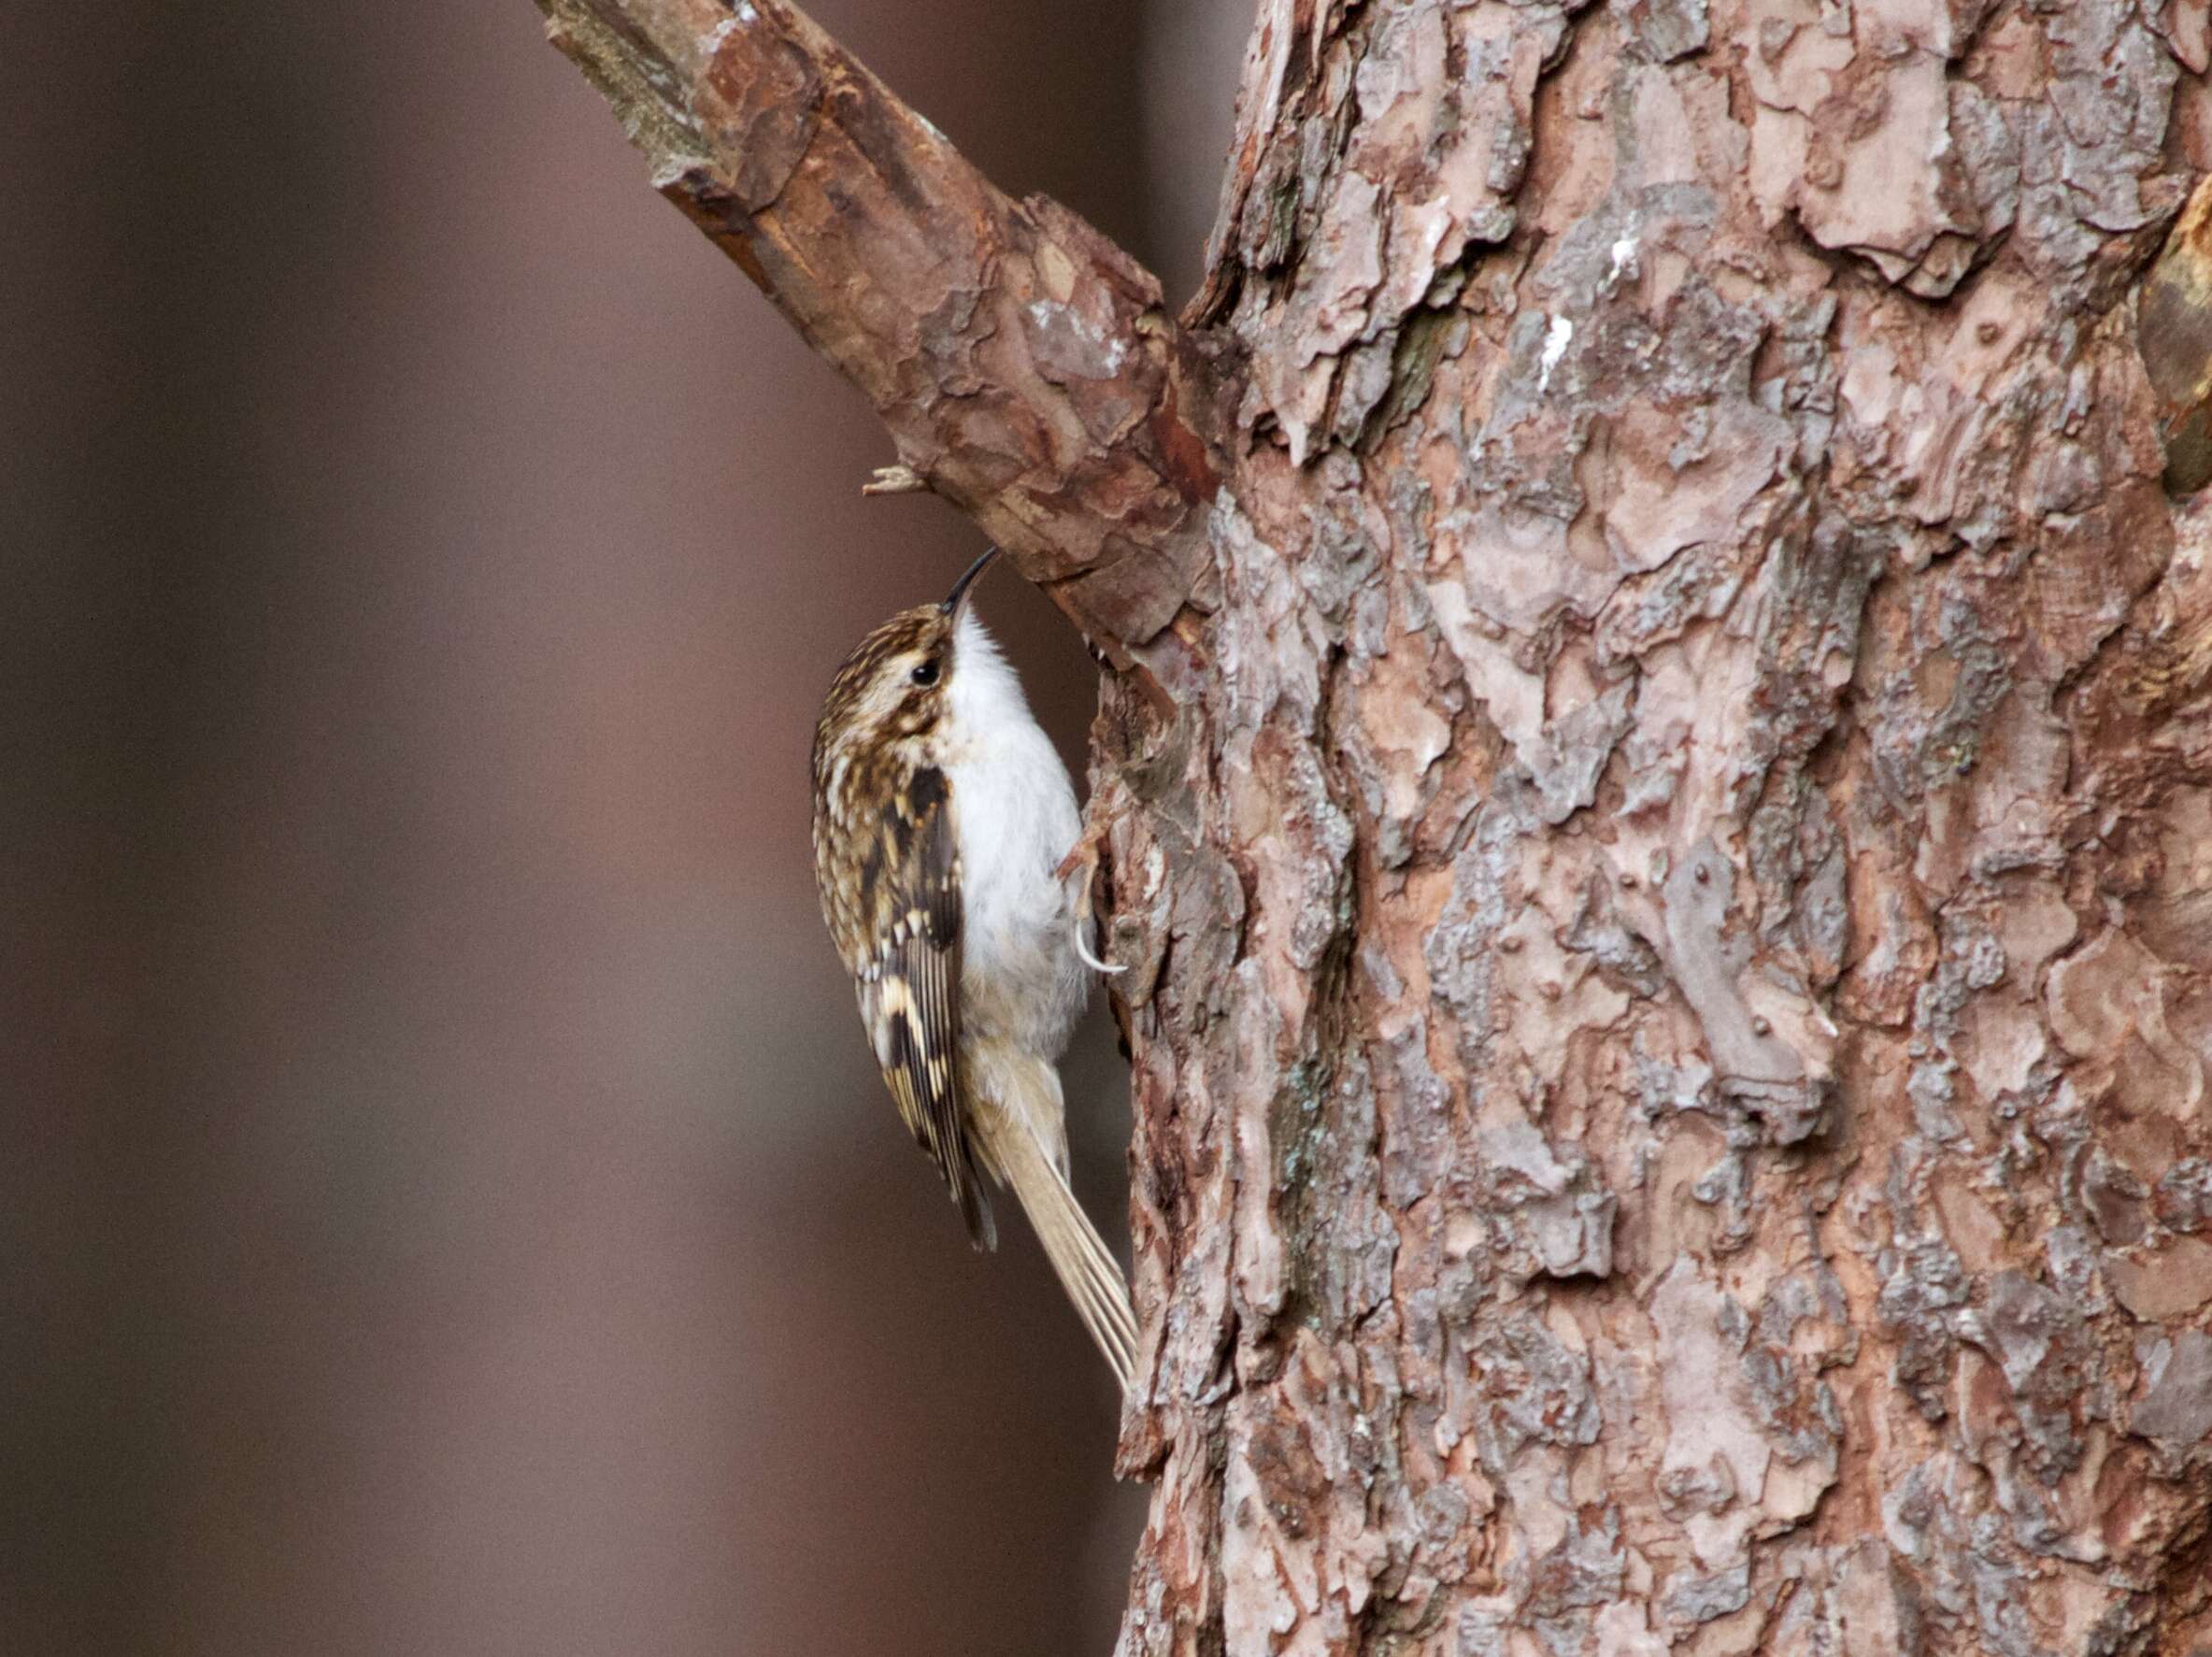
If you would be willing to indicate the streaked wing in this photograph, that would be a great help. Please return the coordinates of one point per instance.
(909, 993)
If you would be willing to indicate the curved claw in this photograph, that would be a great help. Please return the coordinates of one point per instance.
(1082, 949)
(1083, 857)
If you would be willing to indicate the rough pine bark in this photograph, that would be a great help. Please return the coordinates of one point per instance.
(1659, 800)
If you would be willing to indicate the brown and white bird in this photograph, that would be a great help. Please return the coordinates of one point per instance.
(941, 816)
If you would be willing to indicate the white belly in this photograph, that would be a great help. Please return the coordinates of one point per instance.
(1015, 812)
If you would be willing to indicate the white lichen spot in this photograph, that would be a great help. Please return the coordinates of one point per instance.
(1555, 347)
(739, 17)
(1047, 316)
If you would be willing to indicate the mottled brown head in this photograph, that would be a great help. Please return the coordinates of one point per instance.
(892, 689)
(892, 686)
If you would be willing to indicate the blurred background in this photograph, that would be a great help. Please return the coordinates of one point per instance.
(445, 1202)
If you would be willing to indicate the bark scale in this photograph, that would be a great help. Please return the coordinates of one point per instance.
(1665, 841)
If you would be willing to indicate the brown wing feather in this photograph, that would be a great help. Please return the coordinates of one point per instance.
(909, 995)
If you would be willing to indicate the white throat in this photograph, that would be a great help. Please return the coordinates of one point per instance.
(984, 699)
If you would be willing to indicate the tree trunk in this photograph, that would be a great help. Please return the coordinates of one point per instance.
(1659, 804)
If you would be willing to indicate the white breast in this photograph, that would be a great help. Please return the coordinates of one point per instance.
(1015, 810)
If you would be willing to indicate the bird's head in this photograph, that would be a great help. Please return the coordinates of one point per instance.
(897, 684)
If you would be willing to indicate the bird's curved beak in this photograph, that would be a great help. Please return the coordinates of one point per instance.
(954, 599)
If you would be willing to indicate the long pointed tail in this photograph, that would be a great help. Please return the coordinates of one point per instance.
(1088, 1271)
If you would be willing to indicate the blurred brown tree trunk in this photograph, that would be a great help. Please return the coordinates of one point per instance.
(1660, 804)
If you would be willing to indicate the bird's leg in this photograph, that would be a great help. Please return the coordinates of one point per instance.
(1084, 856)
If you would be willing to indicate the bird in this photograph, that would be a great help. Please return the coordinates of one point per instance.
(942, 818)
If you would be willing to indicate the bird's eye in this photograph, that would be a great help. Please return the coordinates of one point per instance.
(925, 672)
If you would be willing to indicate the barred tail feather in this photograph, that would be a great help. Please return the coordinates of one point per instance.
(1087, 1270)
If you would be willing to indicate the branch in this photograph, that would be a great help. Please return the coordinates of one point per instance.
(1022, 362)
